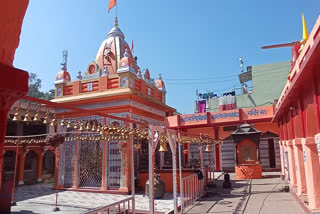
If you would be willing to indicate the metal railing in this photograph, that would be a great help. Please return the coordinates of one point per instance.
(119, 207)
(193, 189)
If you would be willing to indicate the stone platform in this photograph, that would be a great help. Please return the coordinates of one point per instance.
(249, 171)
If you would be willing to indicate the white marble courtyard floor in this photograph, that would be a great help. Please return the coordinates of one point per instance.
(40, 198)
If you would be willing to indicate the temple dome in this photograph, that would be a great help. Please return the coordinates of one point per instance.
(126, 60)
(112, 50)
(159, 83)
(63, 76)
(115, 31)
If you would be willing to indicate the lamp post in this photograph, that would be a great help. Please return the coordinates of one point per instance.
(57, 174)
(13, 203)
(55, 140)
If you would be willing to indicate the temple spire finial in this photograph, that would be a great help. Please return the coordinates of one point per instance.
(116, 21)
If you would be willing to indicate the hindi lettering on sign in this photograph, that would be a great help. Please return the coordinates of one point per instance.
(225, 115)
(255, 112)
(193, 118)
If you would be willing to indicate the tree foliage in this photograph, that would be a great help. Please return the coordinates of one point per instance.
(34, 88)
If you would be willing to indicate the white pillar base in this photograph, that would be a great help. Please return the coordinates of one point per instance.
(20, 182)
(39, 179)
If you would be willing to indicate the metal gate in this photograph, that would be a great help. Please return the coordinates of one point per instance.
(90, 163)
(68, 155)
(114, 164)
(9, 160)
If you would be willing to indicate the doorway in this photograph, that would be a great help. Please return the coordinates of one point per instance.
(30, 168)
(272, 157)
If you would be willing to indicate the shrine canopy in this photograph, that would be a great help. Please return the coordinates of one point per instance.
(246, 131)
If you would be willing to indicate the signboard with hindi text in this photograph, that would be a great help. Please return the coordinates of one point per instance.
(193, 119)
(224, 116)
(262, 112)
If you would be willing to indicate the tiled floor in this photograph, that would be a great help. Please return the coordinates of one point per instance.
(256, 196)
(40, 198)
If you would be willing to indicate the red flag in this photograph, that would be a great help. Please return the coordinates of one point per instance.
(112, 3)
(132, 45)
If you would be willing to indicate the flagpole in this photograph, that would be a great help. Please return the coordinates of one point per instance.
(116, 8)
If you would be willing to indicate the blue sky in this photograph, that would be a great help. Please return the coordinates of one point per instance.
(191, 43)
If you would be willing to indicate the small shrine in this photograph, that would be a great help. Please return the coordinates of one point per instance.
(247, 139)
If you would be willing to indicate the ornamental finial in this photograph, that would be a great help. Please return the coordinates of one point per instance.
(116, 21)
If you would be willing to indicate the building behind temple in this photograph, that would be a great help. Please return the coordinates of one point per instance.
(253, 105)
(267, 82)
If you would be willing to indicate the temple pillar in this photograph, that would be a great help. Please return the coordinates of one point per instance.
(128, 165)
(281, 146)
(292, 166)
(40, 165)
(300, 171)
(21, 168)
(75, 171)
(104, 166)
(125, 157)
(312, 170)
(13, 82)
(217, 157)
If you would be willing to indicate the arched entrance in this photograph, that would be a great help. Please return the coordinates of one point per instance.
(30, 168)
(48, 166)
(9, 160)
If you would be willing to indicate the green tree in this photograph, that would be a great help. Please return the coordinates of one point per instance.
(34, 88)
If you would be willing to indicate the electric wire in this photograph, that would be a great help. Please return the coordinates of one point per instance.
(230, 75)
(225, 80)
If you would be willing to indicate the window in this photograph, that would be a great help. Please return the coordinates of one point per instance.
(90, 86)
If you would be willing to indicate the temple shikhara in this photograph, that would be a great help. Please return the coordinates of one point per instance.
(109, 131)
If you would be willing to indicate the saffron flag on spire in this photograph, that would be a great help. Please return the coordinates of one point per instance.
(112, 3)
(132, 45)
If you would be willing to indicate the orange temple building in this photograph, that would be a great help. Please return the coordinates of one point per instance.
(297, 114)
(114, 84)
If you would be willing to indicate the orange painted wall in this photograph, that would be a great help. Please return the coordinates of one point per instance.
(223, 134)
(198, 131)
(171, 121)
(76, 88)
(103, 83)
(267, 126)
(297, 124)
(263, 127)
(289, 124)
(166, 177)
(311, 126)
